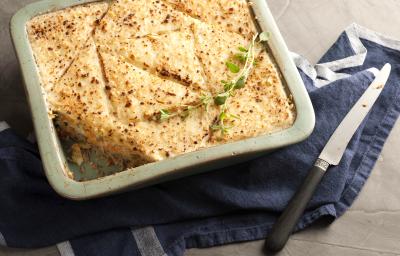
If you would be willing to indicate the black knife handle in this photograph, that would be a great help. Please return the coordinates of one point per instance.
(284, 226)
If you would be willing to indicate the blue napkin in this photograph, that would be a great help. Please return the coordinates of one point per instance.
(237, 203)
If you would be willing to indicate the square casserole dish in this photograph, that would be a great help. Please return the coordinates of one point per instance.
(54, 159)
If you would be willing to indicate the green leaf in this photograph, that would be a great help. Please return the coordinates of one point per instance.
(164, 114)
(242, 49)
(232, 67)
(215, 127)
(241, 57)
(240, 83)
(222, 129)
(206, 101)
(227, 86)
(222, 117)
(264, 36)
(187, 111)
(233, 116)
(220, 99)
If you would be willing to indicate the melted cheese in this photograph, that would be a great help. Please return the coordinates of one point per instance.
(111, 75)
(57, 37)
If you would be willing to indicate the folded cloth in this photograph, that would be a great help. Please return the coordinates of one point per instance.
(237, 203)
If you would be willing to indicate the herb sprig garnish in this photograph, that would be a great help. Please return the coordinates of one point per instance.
(205, 101)
(245, 56)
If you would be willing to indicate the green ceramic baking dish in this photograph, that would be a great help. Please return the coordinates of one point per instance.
(54, 160)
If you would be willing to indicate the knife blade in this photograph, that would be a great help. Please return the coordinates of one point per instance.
(331, 155)
(337, 144)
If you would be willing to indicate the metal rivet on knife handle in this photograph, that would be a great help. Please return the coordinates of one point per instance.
(324, 165)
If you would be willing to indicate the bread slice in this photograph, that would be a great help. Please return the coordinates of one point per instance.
(57, 37)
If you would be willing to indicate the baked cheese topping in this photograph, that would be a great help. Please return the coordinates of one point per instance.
(109, 69)
(57, 37)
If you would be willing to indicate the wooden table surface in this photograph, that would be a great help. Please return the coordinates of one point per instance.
(372, 226)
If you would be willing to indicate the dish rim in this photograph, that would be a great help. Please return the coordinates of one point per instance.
(53, 158)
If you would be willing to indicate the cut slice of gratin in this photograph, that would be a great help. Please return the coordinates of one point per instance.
(226, 15)
(57, 37)
(261, 106)
(214, 48)
(94, 109)
(83, 112)
(137, 95)
(136, 98)
(170, 55)
(138, 18)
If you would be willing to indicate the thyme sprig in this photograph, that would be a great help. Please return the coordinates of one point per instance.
(245, 56)
(185, 110)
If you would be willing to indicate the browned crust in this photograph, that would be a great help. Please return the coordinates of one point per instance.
(124, 64)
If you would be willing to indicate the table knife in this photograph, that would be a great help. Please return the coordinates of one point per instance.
(331, 155)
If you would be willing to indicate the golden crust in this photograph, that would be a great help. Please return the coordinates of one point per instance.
(226, 15)
(213, 48)
(138, 18)
(158, 54)
(138, 95)
(83, 111)
(146, 56)
(56, 37)
(262, 105)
